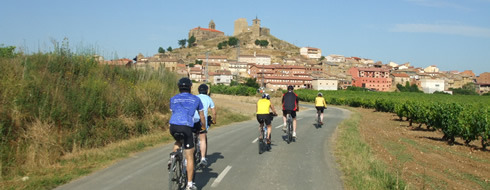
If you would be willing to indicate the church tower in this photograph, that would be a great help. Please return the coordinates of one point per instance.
(212, 25)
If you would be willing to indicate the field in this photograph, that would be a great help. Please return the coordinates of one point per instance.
(421, 157)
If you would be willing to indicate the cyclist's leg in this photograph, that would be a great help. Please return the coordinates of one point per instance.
(284, 113)
(189, 152)
(293, 114)
(177, 144)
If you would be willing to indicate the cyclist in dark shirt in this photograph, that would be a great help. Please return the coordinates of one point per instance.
(183, 107)
(290, 105)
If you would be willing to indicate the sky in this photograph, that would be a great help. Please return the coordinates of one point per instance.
(451, 34)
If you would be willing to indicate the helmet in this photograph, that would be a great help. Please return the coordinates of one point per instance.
(185, 83)
(265, 95)
(290, 87)
(203, 89)
(320, 94)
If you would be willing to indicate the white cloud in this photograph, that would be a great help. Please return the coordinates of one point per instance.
(443, 29)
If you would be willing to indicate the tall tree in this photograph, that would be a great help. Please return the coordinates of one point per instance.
(191, 41)
(169, 49)
(232, 41)
(161, 50)
(182, 43)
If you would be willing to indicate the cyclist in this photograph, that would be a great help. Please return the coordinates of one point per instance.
(290, 105)
(202, 130)
(263, 114)
(183, 106)
(320, 104)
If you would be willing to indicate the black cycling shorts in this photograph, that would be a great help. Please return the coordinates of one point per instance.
(264, 118)
(320, 108)
(187, 131)
(198, 128)
(285, 112)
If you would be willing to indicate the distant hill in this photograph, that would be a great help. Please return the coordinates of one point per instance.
(277, 49)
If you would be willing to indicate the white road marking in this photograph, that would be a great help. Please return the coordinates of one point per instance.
(221, 176)
(256, 139)
(279, 126)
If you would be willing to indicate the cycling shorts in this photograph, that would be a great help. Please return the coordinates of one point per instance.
(198, 128)
(264, 118)
(320, 108)
(285, 113)
(187, 131)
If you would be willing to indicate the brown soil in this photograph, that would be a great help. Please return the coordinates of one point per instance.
(421, 158)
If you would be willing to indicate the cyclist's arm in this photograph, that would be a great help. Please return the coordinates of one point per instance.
(201, 115)
(273, 110)
(213, 111)
(324, 103)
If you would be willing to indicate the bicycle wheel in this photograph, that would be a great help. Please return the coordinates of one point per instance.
(289, 134)
(176, 178)
(197, 155)
(319, 120)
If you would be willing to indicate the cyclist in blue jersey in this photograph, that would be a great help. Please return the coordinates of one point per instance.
(290, 105)
(207, 103)
(183, 107)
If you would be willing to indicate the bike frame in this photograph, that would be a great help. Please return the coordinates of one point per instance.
(178, 170)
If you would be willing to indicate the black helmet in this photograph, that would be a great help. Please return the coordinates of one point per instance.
(265, 95)
(320, 94)
(185, 83)
(203, 89)
(290, 87)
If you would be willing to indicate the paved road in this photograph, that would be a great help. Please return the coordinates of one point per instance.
(234, 162)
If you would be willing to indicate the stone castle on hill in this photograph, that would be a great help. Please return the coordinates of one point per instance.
(241, 26)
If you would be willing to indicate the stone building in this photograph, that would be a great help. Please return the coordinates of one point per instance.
(202, 34)
(241, 26)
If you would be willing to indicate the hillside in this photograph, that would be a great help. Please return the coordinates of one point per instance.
(277, 49)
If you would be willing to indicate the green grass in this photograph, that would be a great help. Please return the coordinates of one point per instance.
(398, 150)
(360, 167)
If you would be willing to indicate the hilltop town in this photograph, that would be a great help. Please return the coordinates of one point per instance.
(275, 64)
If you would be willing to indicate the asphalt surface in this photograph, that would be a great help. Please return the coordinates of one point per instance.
(234, 162)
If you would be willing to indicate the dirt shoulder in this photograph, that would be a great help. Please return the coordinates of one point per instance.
(422, 159)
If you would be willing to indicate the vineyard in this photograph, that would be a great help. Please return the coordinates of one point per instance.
(465, 117)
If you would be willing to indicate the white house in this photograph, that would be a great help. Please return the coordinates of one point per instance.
(335, 58)
(310, 53)
(256, 59)
(432, 85)
(431, 69)
(325, 84)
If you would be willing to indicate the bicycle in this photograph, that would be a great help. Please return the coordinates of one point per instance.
(177, 172)
(289, 128)
(263, 146)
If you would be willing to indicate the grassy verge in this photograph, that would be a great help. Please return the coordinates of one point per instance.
(83, 162)
(361, 169)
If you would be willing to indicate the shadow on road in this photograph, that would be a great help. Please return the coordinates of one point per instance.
(204, 175)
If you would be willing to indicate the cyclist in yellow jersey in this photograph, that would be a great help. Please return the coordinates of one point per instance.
(263, 114)
(320, 104)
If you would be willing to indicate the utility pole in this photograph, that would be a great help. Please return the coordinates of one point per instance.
(237, 58)
(207, 66)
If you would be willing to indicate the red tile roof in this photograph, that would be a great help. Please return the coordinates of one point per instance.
(400, 75)
(207, 29)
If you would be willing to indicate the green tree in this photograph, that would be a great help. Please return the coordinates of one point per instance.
(322, 58)
(198, 62)
(264, 43)
(169, 49)
(191, 65)
(191, 41)
(182, 43)
(252, 83)
(257, 42)
(161, 50)
(232, 41)
(7, 52)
